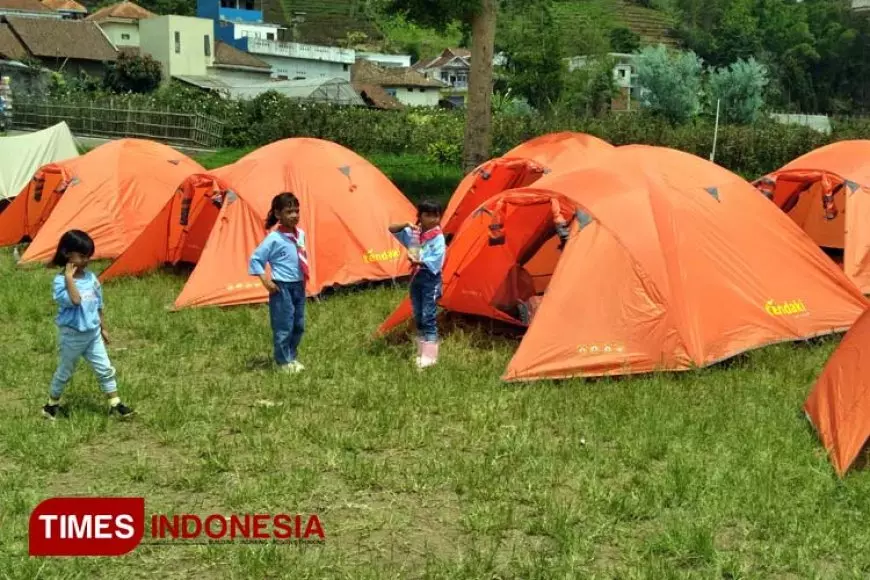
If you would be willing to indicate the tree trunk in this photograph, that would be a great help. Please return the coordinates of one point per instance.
(478, 123)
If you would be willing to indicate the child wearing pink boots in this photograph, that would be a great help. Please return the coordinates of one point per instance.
(426, 250)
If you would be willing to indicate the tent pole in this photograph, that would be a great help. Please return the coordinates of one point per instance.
(715, 131)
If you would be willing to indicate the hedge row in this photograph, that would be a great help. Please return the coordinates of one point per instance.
(747, 150)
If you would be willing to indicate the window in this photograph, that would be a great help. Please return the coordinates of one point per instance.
(125, 37)
(177, 42)
(391, 92)
(444, 76)
(270, 36)
(249, 5)
(345, 68)
(207, 43)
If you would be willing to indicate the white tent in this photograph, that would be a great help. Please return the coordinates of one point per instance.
(22, 155)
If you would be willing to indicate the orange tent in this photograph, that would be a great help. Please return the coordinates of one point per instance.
(112, 193)
(519, 167)
(839, 404)
(347, 206)
(827, 193)
(672, 263)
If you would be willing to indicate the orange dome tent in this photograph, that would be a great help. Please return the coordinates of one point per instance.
(112, 193)
(672, 262)
(347, 207)
(519, 167)
(178, 233)
(827, 193)
(839, 404)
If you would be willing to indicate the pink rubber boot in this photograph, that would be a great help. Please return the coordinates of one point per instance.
(430, 354)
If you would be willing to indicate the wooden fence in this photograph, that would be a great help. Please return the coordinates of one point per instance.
(183, 129)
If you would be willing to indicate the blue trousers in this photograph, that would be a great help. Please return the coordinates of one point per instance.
(425, 291)
(89, 345)
(287, 316)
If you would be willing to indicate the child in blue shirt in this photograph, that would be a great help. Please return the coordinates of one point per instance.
(79, 297)
(426, 251)
(284, 250)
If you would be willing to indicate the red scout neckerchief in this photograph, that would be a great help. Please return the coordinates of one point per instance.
(425, 237)
(293, 236)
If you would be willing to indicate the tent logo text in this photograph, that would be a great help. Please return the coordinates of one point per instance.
(387, 256)
(786, 308)
(603, 348)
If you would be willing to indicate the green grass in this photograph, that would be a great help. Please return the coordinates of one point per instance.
(454, 474)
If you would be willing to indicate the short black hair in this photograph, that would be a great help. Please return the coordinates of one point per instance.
(72, 241)
(429, 206)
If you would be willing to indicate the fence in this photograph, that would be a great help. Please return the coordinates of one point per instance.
(183, 129)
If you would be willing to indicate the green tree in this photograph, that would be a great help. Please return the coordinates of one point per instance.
(623, 39)
(133, 74)
(670, 82)
(590, 89)
(480, 17)
(533, 50)
(740, 89)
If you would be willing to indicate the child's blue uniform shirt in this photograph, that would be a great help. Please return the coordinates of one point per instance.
(278, 251)
(431, 254)
(85, 316)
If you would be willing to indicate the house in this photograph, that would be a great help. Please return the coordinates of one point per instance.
(240, 24)
(183, 45)
(376, 97)
(68, 46)
(624, 75)
(29, 8)
(386, 60)
(120, 22)
(232, 65)
(861, 5)
(407, 85)
(452, 67)
(69, 9)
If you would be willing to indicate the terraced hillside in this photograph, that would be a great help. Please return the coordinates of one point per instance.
(653, 26)
(325, 21)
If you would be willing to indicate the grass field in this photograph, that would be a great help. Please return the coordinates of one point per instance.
(449, 474)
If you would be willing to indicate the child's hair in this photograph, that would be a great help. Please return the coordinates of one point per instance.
(72, 241)
(428, 206)
(279, 203)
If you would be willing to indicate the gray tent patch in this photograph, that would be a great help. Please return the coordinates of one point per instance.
(485, 174)
(230, 197)
(175, 161)
(74, 181)
(345, 170)
(714, 191)
(853, 187)
(583, 219)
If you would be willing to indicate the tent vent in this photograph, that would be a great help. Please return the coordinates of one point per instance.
(74, 181)
(583, 219)
(853, 187)
(231, 197)
(175, 161)
(547, 170)
(714, 191)
(485, 174)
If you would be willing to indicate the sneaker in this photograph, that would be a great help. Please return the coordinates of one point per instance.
(122, 410)
(288, 368)
(298, 366)
(51, 411)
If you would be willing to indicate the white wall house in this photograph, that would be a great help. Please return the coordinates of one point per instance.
(120, 22)
(406, 85)
(293, 60)
(388, 60)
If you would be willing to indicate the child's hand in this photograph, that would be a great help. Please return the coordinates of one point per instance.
(270, 286)
(105, 334)
(70, 269)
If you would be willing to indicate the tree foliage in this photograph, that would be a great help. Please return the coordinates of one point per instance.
(133, 74)
(740, 89)
(670, 82)
(533, 51)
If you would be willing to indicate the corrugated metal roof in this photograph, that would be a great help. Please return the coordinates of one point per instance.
(337, 91)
